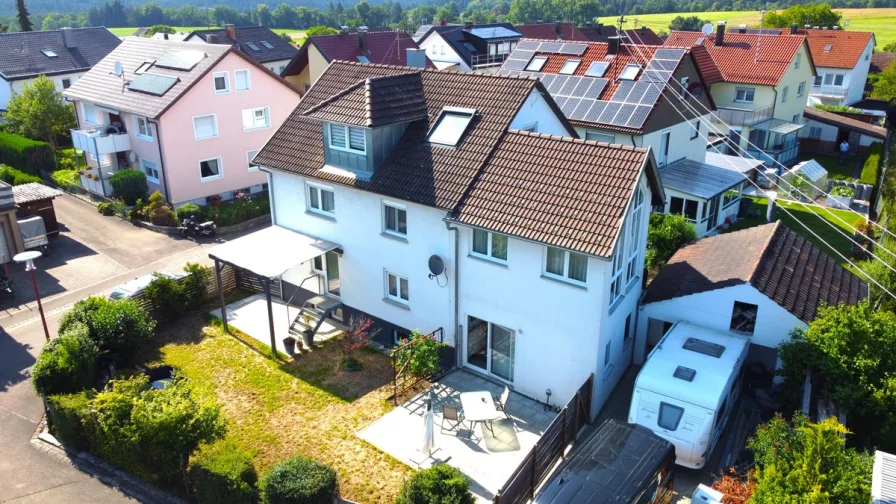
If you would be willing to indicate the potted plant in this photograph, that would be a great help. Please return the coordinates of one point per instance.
(215, 199)
(308, 333)
(289, 343)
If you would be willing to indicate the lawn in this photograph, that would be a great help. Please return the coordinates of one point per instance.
(278, 410)
(836, 171)
(879, 21)
(297, 35)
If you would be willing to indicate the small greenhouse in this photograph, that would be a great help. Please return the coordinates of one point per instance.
(809, 177)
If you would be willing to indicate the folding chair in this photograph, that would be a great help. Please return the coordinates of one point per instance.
(501, 402)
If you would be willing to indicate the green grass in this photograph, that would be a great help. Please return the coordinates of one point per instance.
(297, 35)
(879, 21)
(836, 171)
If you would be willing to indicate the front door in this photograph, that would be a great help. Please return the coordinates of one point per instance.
(491, 348)
(664, 148)
(734, 141)
(332, 280)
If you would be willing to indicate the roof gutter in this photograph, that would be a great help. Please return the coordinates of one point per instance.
(270, 175)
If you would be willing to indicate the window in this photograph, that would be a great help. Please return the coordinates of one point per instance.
(570, 67)
(566, 265)
(317, 264)
(729, 196)
(597, 69)
(867, 55)
(363, 59)
(491, 348)
(89, 112)
(145, 66)
(634, 234)
(670, 416)
(399, 335)
(627, 335)
(256, 118)
(784, 94)
(536, 64)
(222, 82)
(721, 413)
(242, 80)
(267, 44)
(50, 54)
(695, 129)
(396, 220)
(684, 88)
(443, 50)
(743, 317)
(144, 130)
(599, 137)
(205, 127)
(451, 126)
(397, 288)
(630, 72)
(814, 132)
(816, 81)
(607, 354)
(683, 206)
(533, 127)
(796, 60)
(348, 138)
(828, 47)
(150, 169)
(249, 157)
(833, 79)
(800, 89)
(796, 118)
(489, 245)
(321, 200)
(210, 169)
(744, 95)
(253, 46)
(66, 83)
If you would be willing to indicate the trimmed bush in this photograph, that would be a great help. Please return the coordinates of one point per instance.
(105, 208)
(66, 179)
(129, 185)
(300, 480)
(30, 156)
(441, 484)
(167, 295)
(871, 168)
(223, 472)
(15, 177)
(66, 364)
(190, 209)
(80, 313)
(69, 414)
(118, 327)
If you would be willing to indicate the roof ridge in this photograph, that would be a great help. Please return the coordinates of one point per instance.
(766, 246)
(562, 138)
(333, 98)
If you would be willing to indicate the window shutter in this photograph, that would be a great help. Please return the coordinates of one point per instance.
(356, 138)
(337, 135)
(248, 119)
(242, 80)
(204, 126)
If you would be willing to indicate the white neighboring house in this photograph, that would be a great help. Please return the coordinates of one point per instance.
(760, 282)
(62, 55)
(258, 42)
(842, 60)
(469, 47)
(542, 237)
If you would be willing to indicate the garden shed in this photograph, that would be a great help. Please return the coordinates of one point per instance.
(814, 173)
(37, 199)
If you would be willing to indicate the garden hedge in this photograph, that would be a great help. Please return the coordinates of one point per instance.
(30, 156)
(129, 185)
(871, 169)
(223, 472)
(118, 327)
(69, 414)
(66, 364)
(15, 177)
(440, 484)
(300, 480)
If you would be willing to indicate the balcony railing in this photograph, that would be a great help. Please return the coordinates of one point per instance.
(485, 60)
(98, 143)
(782, 154)
(829, 91)
(743, 117)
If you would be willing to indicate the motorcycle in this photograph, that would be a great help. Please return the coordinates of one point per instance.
(190, 227)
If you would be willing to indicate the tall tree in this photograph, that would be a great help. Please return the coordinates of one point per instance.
(39, 112)
(22, 16)
(263, 15)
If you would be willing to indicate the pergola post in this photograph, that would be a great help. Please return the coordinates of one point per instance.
(266, 282)
(218, 267)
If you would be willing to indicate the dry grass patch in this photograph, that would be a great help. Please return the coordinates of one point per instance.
(279, 409)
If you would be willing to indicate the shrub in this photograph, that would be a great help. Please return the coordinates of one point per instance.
(240, 209)
(420, 356)
(223, 472)
(665, 235)
(167, 295)
(118, 327)
(871, 168)
(129, 185)
(300, 480)
(119, 208)
(27, 155)
(188, 210)
(66, 179)
(68, 416)
(81, 313)
(65, 163)
(15, 177)
(159, 211)
(196, 283)
(843, 191)
(440, 484)
(105, 209)
(66, 364)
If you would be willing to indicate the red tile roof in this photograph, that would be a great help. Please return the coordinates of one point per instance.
(881, 60)
(746, 58)
(846, 47)
(548, 31)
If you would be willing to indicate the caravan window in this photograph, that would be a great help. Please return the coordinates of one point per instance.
(670, 416)
(721, 413)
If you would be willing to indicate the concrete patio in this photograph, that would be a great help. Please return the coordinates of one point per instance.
(487, 459)
(250, 315)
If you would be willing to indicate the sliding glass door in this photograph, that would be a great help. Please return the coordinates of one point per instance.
(490, 348)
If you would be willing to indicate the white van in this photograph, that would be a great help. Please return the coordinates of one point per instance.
(687, 388)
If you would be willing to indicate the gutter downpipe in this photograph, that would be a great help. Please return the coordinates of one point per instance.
(270, 194)
(162, 160)
(457, 345)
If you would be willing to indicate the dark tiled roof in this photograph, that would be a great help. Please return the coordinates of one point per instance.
(846, 47)
(641, 35)
(848, 123)
(569, 31)
(465, 43)
(881, 60)
(772, 258)
(560, 191)
(282, 50)
(26, 193)
(383, 47)
(6, 197)
(376, 101)
(22, 55)
(548, 31)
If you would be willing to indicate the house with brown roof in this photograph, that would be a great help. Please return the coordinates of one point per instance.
(842, 62)
(760, 282)
(763, 92)
(825, 131)
(257, 42)
(464, 201)
(589, 32)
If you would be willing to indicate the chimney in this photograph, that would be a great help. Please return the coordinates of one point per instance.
(468, 25)
(443, 22)
(165, 36)
(558, 31)
(211, 38)
(794, 29)
(230, 30)
(362, 41)
(720, 33)
(807, 26)
(643, 30)
(67, 37)
(613, 45)
(742, 28)
(589, 24)
(600, 28)
(416, 57)
(343, 30)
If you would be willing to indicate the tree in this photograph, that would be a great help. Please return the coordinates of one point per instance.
(314, 31)
(263, 15)
(160, 28)
(284, 16)
(689, 23)
(665, 235)
(4, 28)
(38, 112)
(885, 85)
(22, 16)
(891, 47)
(356, 338)
(815, 15)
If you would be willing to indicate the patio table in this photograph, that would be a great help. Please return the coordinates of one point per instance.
(479, 408)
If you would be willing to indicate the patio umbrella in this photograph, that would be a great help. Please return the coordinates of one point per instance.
(428, 428)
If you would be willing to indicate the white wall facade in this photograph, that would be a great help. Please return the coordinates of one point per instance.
(854, 80)
(7, 88)
(681, 143)
(701, 224)
(439, 50)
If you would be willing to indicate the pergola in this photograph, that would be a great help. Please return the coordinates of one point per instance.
(267, 254)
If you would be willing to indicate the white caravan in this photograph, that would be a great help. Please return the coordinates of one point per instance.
(687, 388)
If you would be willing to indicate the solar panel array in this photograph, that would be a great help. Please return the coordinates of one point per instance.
(152, 83)
(180, 60)
(579, 97)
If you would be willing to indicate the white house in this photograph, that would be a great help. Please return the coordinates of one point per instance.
(760, 282)
(61, 55)
(258, 42)
(825, 131)
(468, 47)
(842, 60)
(542, 236)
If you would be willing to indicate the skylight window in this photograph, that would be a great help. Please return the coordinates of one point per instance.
(700, 41)
(451, 126)
(50, 54)
(828, 48)
(146, 65)
(704, 347)
(536, 64)
(570, 67)
(630, 72)
(685, 373)
(253, 46)
(267, 44)
(597, 69)
(363, 59)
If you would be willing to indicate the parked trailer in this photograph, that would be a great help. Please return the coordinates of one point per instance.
(619, 463)
(687, 389)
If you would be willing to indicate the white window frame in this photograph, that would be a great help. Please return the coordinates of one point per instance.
(532, 66)
(155, 168)
(784, 93)
(814, 132)
(398, 278)
(319, 188)
(147, 125)
(633, 252)
(226, 76)
(63, 81)
(236, 81)
(249, 155)
(695, 129)
(745, 90)
(573, 63)
(348, 139)
(214, 119)
(396, 334)
(398, 208)
(599, 137)
(683, 92)
(213, 177)
(85, 112)
(252, 111)
(488, 246)
(800, 89)
(565, 276)
(796, 60)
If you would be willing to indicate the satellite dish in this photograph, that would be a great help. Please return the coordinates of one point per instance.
(119, 69)
(707, 29)
(436, 266)
(132, 157)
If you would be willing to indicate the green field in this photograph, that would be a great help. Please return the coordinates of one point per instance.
(880, 21)
(297, 35)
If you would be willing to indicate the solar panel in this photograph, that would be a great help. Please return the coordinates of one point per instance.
(581, 89)
(558, 83)
(582, 110)
(639, 116)
(597, 87)
(528, 45)
(571, 82)
(570, 105)
(152, 83)
(547, 79)
(253, 46)
(494, 32)
(609, 112)
(624, 114)
(561, 100)
(638, 92)
(521, 54)
(668, 53)
(656, 64)
(551, 47)
(513, 64)
(623, 91)
(576, 49)
(595, 112)
(651, 94)
(180, 60)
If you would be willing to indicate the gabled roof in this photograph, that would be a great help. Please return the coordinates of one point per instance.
(385, 47)
(772, 258)
(881, 60)
(32, 191)
(848, 123)
(7, 201)
(642, 35)
(745, 58)
(375, 101)
(75, 49)
(102, 87)
(463, 39)
(837, 48)
(249, 39)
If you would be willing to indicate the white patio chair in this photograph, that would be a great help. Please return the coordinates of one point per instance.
(501, 402)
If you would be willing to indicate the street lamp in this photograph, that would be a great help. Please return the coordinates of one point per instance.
(28, 258)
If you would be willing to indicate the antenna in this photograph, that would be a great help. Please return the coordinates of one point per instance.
(707, 29)
(118, 69)
(762, 14)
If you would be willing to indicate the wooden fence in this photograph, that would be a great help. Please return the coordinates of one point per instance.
(404, 381)
(537, 464)
(230, 278)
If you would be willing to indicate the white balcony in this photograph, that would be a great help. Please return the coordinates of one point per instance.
(829, 91)
(98, 143)
(743, 116)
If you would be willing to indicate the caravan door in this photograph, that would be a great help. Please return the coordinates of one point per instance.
(685, 425)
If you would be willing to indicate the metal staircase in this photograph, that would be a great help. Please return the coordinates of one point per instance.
(319, 307)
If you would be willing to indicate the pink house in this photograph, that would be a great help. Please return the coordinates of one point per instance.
(190, 116)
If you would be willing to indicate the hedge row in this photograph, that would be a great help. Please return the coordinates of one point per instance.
(15, 177)
(871, 169)
(30, 156)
